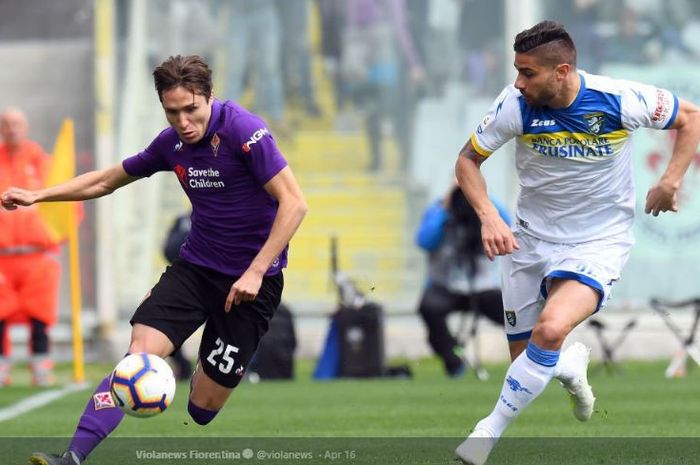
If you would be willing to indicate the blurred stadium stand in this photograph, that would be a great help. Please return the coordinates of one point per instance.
(49, 48)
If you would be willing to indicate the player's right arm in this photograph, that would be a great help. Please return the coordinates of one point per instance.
(496, 236)
(502, 123)
(86, 186)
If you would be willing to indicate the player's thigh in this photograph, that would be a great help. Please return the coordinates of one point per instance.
(522, 274)
(569, 303)
(231, 338)
(172, 310)
(596, 264)
(151, 340)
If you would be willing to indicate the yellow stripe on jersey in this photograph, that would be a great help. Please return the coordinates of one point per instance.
(577, 146)
(480, 150)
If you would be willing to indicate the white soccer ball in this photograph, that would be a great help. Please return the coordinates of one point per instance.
(142, 385)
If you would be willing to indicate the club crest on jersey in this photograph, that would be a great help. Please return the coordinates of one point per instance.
(510, 317)
(103, 400)
(595, 122)
(215, 142)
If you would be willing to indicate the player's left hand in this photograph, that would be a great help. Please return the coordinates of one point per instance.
(662, 197)
(244, 290)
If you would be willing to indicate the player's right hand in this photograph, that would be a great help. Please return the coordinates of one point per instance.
(15, 197)
(496, 236)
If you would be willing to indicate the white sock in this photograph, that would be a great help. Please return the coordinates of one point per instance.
(525, 380)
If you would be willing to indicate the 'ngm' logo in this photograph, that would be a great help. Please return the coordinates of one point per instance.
(257, 135)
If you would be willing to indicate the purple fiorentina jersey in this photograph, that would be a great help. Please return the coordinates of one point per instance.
(223, 175)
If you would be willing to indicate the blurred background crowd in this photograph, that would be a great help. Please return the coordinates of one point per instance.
(370, 100)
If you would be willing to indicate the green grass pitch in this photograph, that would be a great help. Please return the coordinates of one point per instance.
(641, 418)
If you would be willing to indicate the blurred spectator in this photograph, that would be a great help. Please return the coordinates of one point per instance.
(186, 27)
(377, 48)
(296, 57)
(481, 35)
(460, 277)
(582, 19)
(439, 27)
(676, 18)
(332, 13)
(633, 41)
(254, 54)
(29, 267)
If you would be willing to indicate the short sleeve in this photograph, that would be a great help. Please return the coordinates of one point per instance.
(152, 159)
(258, 148)
(502, 122)
(645, 106)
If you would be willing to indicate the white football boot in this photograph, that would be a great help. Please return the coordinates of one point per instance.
(476, 448)
(572, 371)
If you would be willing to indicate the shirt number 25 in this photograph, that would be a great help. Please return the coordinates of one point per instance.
(226, 365)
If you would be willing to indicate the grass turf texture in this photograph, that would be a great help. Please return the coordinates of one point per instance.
(641, 418)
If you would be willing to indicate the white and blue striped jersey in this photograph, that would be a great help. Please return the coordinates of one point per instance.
(574, 163)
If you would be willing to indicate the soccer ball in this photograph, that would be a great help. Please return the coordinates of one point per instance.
(142, 385)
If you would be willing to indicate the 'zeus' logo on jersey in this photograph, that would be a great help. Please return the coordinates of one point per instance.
(257, 135)
(539, 123)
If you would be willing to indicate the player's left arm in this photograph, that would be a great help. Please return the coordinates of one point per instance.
(291, 210)
(662, 196)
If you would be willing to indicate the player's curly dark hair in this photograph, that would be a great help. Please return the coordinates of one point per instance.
(549, 40)
(190, 72)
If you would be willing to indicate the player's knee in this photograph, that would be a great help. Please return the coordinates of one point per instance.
(150, 340)
(549, 334)
(200, 415)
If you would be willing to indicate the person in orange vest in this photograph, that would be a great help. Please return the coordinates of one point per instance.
(29, 266)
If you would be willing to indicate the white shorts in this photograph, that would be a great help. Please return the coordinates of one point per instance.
(528, 273)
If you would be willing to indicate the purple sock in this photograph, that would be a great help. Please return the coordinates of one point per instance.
(200, 415)
(101, 417)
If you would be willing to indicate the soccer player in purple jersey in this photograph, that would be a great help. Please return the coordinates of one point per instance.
(246, 205)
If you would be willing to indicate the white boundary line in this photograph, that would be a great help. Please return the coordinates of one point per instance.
(39, 400)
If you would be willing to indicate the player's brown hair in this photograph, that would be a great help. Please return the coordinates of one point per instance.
(191, 72)
(549, 40)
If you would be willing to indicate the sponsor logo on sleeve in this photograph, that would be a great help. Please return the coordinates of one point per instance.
(484, 124)
(664, 104)
(257, 135)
